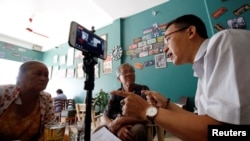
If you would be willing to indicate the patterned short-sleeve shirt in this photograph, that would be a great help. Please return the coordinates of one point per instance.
(10, 94)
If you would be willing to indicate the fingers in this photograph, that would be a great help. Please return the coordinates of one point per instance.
(120, 93)
(125, 134)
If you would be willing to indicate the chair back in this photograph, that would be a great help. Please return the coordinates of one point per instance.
(59, 105)
(70, 104)
(80, 111)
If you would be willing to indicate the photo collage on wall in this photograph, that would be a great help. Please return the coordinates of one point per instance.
(236, 22)
(70, 65)
(150, 43)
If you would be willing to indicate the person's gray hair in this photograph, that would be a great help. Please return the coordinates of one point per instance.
(25, 67)
(118, 70)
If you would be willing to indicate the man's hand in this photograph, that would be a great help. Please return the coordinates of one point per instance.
(120, 122)
(155, 98)
(125, 134)
(134, 105)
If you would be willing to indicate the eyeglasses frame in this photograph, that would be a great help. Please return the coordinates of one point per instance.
(178, 30)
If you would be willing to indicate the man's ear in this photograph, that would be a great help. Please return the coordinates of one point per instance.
(191, 31)
(118, 78)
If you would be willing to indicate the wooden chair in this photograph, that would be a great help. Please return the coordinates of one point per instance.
(159, 132)
(95, 118)
(80, 111)
(59, 105)
(70, 104)
(69, 113)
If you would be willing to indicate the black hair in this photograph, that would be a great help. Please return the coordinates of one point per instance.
(190, 20)
(59, 91)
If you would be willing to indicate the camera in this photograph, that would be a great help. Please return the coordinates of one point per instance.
(86, 41)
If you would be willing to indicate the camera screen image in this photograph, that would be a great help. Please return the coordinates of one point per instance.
(90, 43)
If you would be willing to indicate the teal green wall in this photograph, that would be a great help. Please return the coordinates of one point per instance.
(17, 53)
(230, 5)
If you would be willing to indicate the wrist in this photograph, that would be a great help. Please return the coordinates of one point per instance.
(166, 103)
(151, 113)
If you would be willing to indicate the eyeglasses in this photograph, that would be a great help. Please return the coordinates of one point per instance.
(174, 32)
(127, 72)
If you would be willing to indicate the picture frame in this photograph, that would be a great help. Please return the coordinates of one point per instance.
(97, 72)
(70, 73)
(160, 61)
(107, 65)
(104, 37)
(79, 70)
(55, 59)
(70, 57)
(62, 59)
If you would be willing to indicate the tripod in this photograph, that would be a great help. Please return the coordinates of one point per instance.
(89, 62)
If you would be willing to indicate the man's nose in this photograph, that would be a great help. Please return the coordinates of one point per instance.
(166, 49)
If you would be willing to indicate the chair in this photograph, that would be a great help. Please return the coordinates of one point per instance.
(159, 132)
(69, 113)
(81, 113)
(95, 118)
(70, 104)
(59, 105)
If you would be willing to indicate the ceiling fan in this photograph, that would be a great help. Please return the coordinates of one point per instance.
(31, 30)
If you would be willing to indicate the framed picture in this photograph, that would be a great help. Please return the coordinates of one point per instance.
(107, 65)
(70, 57)
(104, 37)
(55, 59)
(62, 73)
(70, 73)
(160, 60)
(79, 71)
(55, 71)
(62, 59)
(50, 71)
(97, 70)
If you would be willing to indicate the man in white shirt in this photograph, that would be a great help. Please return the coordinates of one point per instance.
(222, 66)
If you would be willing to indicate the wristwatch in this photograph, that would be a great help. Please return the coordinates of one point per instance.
(151, 113)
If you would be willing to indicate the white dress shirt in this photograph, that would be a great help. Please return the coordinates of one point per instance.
(222, 65)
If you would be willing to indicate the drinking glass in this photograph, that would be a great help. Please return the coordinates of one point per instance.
(80, 130)
(54, 131)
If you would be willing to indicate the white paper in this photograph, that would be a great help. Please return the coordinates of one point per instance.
(103, 134)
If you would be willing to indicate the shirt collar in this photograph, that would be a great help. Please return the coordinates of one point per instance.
(201, 51)
(199, 59)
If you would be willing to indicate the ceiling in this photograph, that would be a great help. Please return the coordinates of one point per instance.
(49, 20)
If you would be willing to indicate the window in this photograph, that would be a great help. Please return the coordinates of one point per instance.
(8, 71)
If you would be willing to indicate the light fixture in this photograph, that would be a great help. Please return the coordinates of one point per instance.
(154, 12)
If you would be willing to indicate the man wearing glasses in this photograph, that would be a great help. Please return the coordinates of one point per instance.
(221, 64)
(126, 128)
